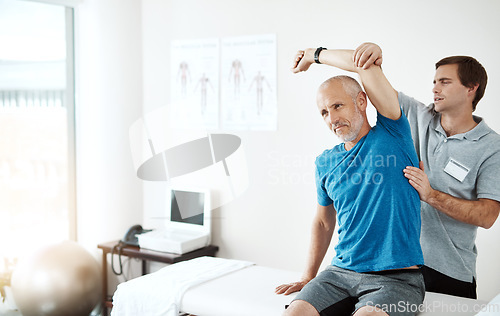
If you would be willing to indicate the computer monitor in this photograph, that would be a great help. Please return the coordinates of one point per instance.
(189, 208)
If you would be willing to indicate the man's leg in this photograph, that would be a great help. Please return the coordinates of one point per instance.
(326, 295)
(344, 307)
(370, 311)
(299, 308)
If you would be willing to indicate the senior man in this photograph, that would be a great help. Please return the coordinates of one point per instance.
(360, 184)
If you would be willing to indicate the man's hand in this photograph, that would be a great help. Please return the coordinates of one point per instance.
(419, 180)
(303, 60)
(290, 288)
(480, 212)
(367, 54)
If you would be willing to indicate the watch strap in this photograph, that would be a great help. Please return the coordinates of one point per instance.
(316, 54)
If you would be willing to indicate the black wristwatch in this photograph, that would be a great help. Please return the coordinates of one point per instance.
(316, 54)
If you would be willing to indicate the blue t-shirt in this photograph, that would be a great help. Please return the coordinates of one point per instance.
(378, 211)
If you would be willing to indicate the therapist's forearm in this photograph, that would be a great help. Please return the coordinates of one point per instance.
(482, 212)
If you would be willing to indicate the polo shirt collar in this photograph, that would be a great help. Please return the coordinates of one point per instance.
(479, 131)
(474, 134)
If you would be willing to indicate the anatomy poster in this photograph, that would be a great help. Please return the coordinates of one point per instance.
(248, 83)
(194, 83)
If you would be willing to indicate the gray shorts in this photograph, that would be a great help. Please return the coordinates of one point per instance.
(337, 291)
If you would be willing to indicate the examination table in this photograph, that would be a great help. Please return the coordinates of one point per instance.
(221, 287)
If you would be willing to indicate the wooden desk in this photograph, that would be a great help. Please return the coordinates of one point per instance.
(144, 255)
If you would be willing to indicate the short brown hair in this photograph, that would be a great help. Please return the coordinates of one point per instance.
(470, 73)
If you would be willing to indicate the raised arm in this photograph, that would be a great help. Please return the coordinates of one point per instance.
(366, 62)
(322, 231)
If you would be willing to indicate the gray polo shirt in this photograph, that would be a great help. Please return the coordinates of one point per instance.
(466, 166)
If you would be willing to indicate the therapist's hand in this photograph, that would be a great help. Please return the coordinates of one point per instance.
(290, 288)
(419, 180)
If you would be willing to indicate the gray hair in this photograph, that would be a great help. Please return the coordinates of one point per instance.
(351, 86)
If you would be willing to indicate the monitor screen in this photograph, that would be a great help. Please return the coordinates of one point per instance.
(187, 207)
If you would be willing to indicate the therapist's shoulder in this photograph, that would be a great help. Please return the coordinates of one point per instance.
(486, 144)
(407, 102)
(491, 142)
(414, 110)
(484, 132)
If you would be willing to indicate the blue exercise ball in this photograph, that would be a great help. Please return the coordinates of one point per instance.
(60, 280)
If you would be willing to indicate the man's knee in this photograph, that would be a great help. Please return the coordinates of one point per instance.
(370, 311)
(299, 308)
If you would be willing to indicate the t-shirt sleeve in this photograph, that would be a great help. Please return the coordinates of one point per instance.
(411, 107)
(323, 198)
(400, 135)
(399, 128)
(488, 175)
(417, 113)
(413, 110)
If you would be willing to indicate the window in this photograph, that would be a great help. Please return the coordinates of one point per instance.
(37, 182)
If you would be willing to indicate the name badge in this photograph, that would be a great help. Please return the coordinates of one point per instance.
(456, 170)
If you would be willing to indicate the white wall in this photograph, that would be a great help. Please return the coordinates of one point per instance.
(109, 100)
(270, 223)
(123, 71)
